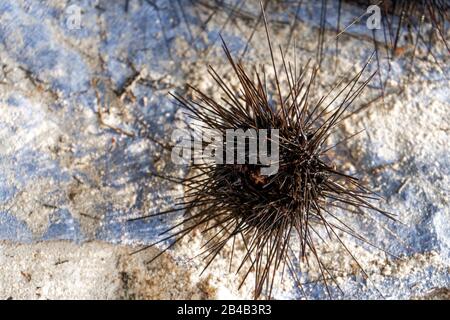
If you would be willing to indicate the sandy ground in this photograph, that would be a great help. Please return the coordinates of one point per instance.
(96, 270)
(64, 270)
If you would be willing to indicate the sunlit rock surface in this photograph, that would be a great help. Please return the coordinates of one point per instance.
(65, 175)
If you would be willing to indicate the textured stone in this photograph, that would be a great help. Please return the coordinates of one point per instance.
(65, 176)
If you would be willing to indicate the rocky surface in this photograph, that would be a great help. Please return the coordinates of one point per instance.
(75, 158)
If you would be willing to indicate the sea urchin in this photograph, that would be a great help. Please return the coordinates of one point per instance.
(280, 214)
